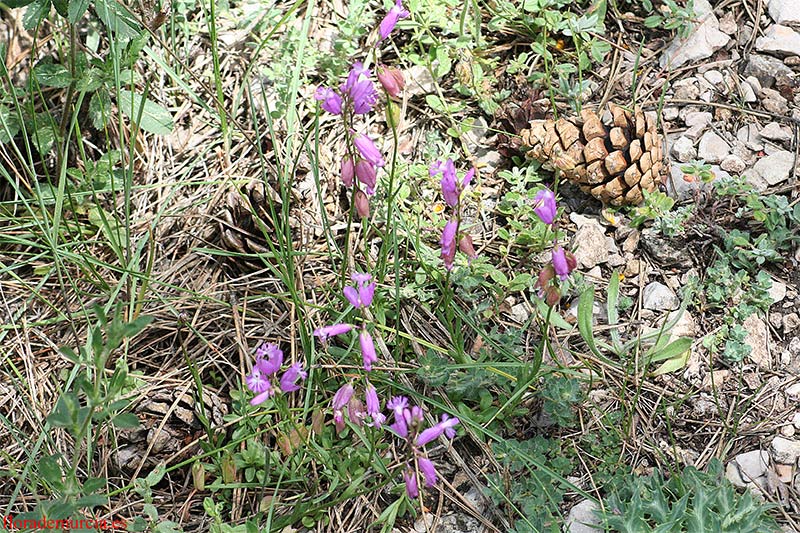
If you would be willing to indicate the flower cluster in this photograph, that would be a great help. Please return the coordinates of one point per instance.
(451, 191)
(360, 296)
(357, 95)
(357, 411)
(269, 359)
(562, 262)
(407, 424)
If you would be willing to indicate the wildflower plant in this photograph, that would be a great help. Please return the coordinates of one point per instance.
(562, 262)
(453, 235)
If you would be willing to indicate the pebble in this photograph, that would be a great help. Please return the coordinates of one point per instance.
(727, 23)
(796, 420)
(785, 11)
(697, 118)
(582, 518)
(757, 338)
(779, 39)
(784, 450)
(420, 81)
(715, 379)
(791, 322)
(741, 151)
(733, 163)
(683, 150)
(659, 297)
(775, 132)
(774, 102)
(713, 148)
(793, 390)
(705, 39)
(775, 168)
(751, 137)
(747, 92)
(589, 243)
(686, 89)
(788, 431)
(663, 251)
(764, 68)
(752, 465)
(670, 113)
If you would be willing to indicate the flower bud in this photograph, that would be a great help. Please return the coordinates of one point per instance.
(348, 171)
(365, 171)
(392, 80)
(362, 204)
(465, 245)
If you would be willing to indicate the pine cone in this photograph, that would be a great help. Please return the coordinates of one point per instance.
(239, 229)
(613, 162)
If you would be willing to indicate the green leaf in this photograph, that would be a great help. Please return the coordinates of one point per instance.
(92, 500)
(117, 19)
(52, 75)
(99, 108)
(612, 309)
(43, 138)
(673, 349)
(37, 10)
(13, 4)
(9, 124)
(585, 311)
(152, 117)
(76, 10)
(61, 6)
(50, 470)
(125, 421)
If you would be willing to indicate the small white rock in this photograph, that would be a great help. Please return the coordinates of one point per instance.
(775, 168)
(698, 118)
(784, 11)
(669, 113)
(796, 420)
(714, 77)
(751, 137)
(752, 465)
(793, 390)
(788, 431)
(659, 297)
(589, 243)
(704, 40)
(757, 338)
(713, 148)
(785, 451)
(748, 92)
(683, 150)
(582, 518)
(733, 164)
(780, 39)
(776, 132)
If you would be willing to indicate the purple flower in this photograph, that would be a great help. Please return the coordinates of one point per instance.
(367, 350)
(449, 185)
(374, 406)
(364, 96)
(545, 206)
(273, 361)
(467, 178)
(340, 400)
(331, 101)
(434, 432)
(356, 412)
(390, 20)
(348, 171)
(289, 379)
(563, 262)
(465, 245)
(261, 398)
(428, 471)
(448, 424)
(449, 243)
(363, 293)
(366, 174)
(256, 381)
(399, 405)
(326, 332)
(357, 73)
(410, 477)
(368, 150)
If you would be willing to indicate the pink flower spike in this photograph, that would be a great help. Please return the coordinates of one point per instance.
(274, 361)
(468, 178)
(410, 477)
(331, 101)
(348, 171)
(362, 204)
(449, 243)
(351, 293)
(392, 80)
(560, 263)
(368, 150)
(261, 398)
(465, 245)
(367, 350)
(448, 424)
(432, 433)
(391, 19)
(428, 471)
(367, 174)
(357, 73)
(545, 206)
(363, 95)
(256, 381)
(326, 332)
(342, 396)
(450, 187)
(289, 379)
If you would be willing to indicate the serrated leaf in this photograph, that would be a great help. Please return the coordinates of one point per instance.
(9, 124)
(152, 117)
(52, 75)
